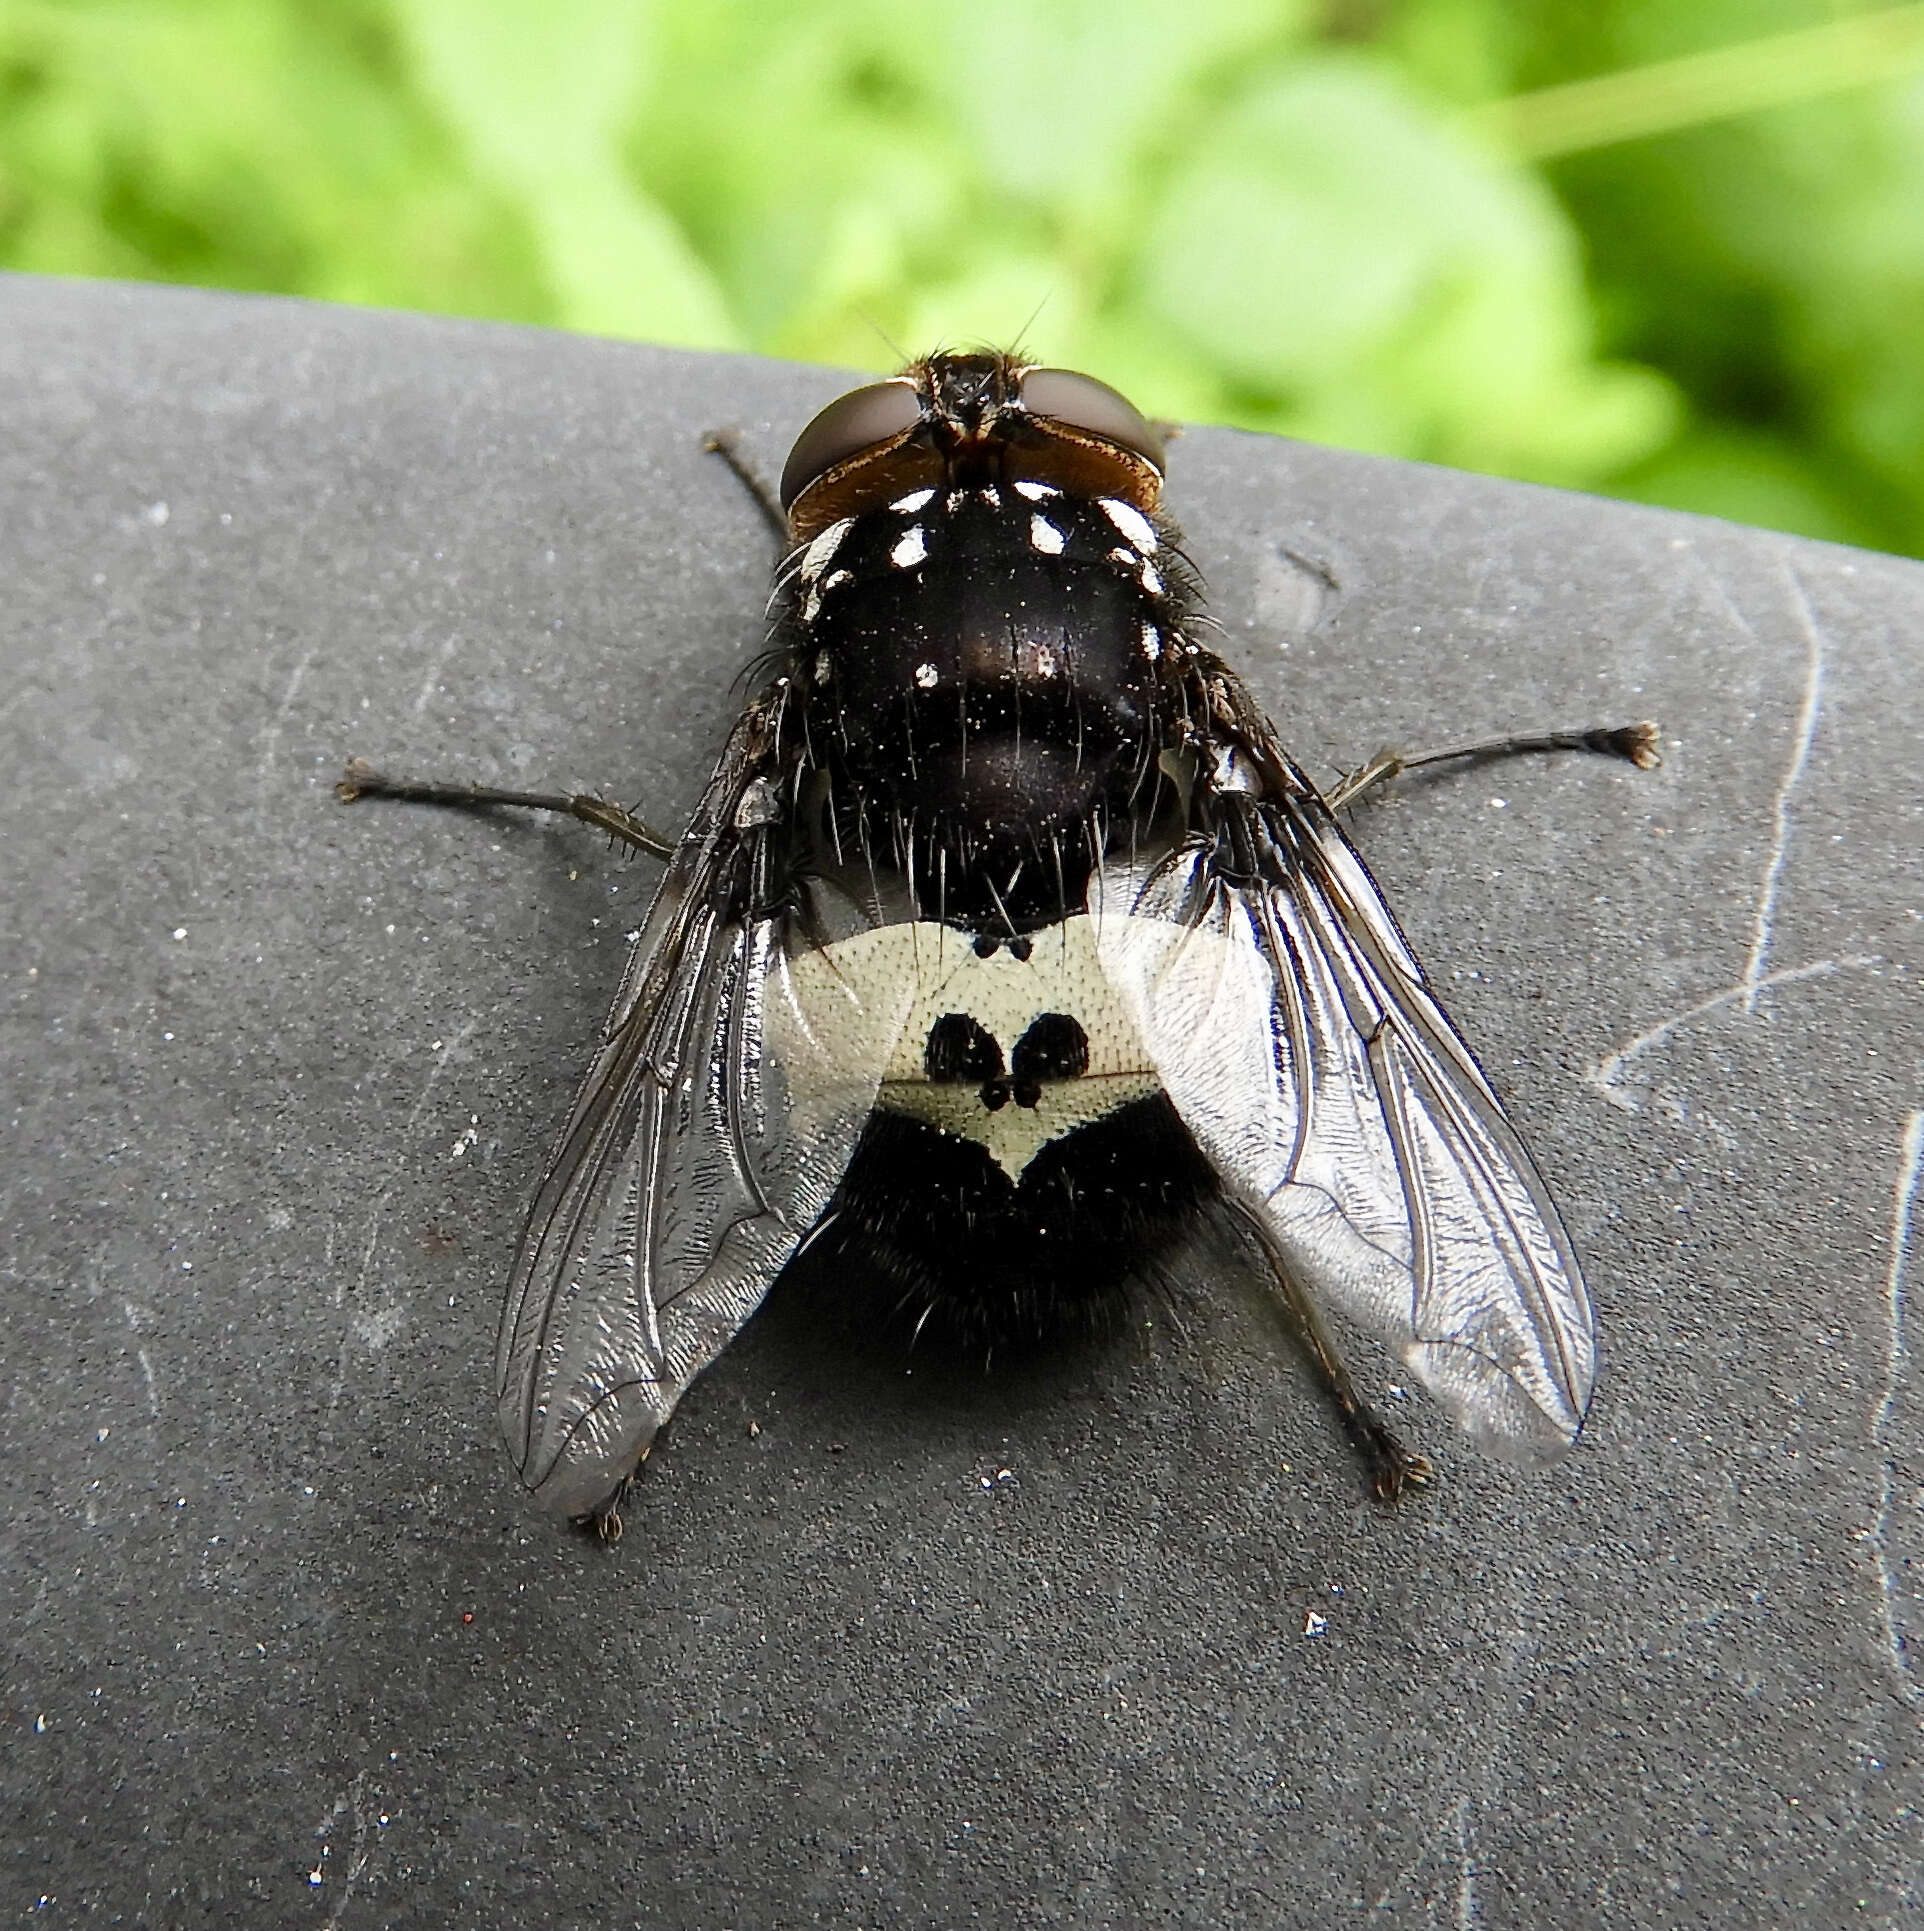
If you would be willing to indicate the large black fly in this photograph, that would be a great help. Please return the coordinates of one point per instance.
(1005, 936)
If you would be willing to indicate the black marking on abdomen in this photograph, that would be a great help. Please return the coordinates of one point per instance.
(962, 1051)
(932, 1243)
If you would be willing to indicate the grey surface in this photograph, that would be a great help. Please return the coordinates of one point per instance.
(1116, 1642)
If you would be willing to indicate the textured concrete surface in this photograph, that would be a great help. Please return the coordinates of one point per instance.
(1115, 1642)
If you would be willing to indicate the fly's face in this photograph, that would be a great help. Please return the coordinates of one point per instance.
(985, 616)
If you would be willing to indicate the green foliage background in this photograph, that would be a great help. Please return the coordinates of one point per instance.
(1384, 223)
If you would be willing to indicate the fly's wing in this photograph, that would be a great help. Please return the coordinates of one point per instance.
(1296, 1035)
(714, 1124)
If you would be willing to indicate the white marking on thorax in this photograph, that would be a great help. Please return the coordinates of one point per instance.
(1044, 536)
(910, 549)
(1132, 523)
(925, 676)
(916, 499)
(1036, 492)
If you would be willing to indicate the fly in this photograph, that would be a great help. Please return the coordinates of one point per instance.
(1005, 939)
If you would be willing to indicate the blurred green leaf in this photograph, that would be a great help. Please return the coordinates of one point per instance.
(1217, 207)
(1750, 477)
(541, 99)
(1343, 255)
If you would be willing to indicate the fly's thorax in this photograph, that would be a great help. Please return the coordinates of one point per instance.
(992, 666)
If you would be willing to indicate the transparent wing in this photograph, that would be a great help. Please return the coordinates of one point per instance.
(716, 1120)
(1296, 1035)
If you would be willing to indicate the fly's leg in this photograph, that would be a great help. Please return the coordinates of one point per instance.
(1391, 1467)
(363, 781)
(727, 444)
(1635, 742)
(604, 1523)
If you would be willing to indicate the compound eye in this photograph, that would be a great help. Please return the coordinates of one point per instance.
(1084, 403)
(849, 425)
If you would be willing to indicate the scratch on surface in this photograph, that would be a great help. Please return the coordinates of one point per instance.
(433, 677)
(272, 730)
(449, 1047)
(1607, 1074)
(1466, 1912)
(153, 1393)
(347, 1804)
(1760, 925)
(134, 1317)
(1456, 1839)
(340, 1298)
(1897, 1361)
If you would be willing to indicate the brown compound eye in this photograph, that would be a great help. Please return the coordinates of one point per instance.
(1084, 403)
(849, 425)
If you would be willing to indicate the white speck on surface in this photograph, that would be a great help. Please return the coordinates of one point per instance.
(925, 677)
(910, 548)
(1044, 536)
(1132, 523)
(180, 931)
(1315, 1623)
(824, 667)
(156, 514)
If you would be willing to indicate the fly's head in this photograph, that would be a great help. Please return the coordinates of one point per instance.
(980, 419)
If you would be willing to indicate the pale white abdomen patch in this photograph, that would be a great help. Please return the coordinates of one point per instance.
(856, 983)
